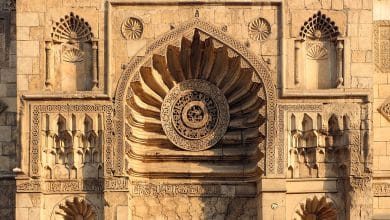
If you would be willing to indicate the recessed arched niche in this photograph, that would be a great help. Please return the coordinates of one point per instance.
(318, 55)
(71, 56)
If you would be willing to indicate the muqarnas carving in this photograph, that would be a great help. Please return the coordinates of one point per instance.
(259, 29)
(72, 145)
(319, 55)
(71, 56)
(132, 28)
(76, 209)
(199, 96)
(316, 209)
(317, 149)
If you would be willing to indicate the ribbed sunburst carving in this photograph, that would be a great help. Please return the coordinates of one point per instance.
(317, 51)
(196, 96)
(317, 209)
(72, 28)
(78, 210)
(319, 26)
(73, 55)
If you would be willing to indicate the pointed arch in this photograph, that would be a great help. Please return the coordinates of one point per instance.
(262, 75)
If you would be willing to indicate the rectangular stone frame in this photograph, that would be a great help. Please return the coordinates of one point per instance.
(36, 111)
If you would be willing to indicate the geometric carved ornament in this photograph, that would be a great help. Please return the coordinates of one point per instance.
(72, 29)
(259, 29)
(385, 109)
(382, 46)
(132, 28)
(195, 97)
(319, 27)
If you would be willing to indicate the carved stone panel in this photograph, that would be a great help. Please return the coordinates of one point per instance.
(71, 56)
(382, 46)
(384, 109)
(326, 140)
(319, 55)
(68, 140)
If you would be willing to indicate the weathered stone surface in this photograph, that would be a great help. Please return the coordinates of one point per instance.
(187, 109)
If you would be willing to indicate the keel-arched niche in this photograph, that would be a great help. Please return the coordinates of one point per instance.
(197, 104)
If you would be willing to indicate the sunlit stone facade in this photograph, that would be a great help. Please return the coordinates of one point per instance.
(125, 109)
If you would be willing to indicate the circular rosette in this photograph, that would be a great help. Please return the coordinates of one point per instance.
(195, 115)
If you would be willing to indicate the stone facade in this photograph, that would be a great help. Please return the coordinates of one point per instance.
(181, 109)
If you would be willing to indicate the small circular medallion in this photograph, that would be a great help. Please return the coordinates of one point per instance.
(195, 115)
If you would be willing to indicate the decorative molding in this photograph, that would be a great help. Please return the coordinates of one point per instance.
(132, 28)
(59, 186)
(29, 186)
(382, 46)
(259, 29)
(258, 65)
(73, 186)
(116, 184)
(163, 189)
(381, 189)
(38, 110)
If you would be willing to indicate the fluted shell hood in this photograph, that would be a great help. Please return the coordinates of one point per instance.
(195, 97)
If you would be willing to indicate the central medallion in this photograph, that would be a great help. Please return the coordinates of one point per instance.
(195, 115)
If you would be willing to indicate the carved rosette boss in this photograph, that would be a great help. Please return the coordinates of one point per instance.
(132, 28)
(259, 29)
(196, 97)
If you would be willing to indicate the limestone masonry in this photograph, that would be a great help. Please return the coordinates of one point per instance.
(194, 109)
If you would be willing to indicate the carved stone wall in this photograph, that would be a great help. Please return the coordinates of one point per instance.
(381, 125)
(203, 110)
(8, 116)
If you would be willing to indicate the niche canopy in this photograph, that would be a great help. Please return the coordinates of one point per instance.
(196, 96)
